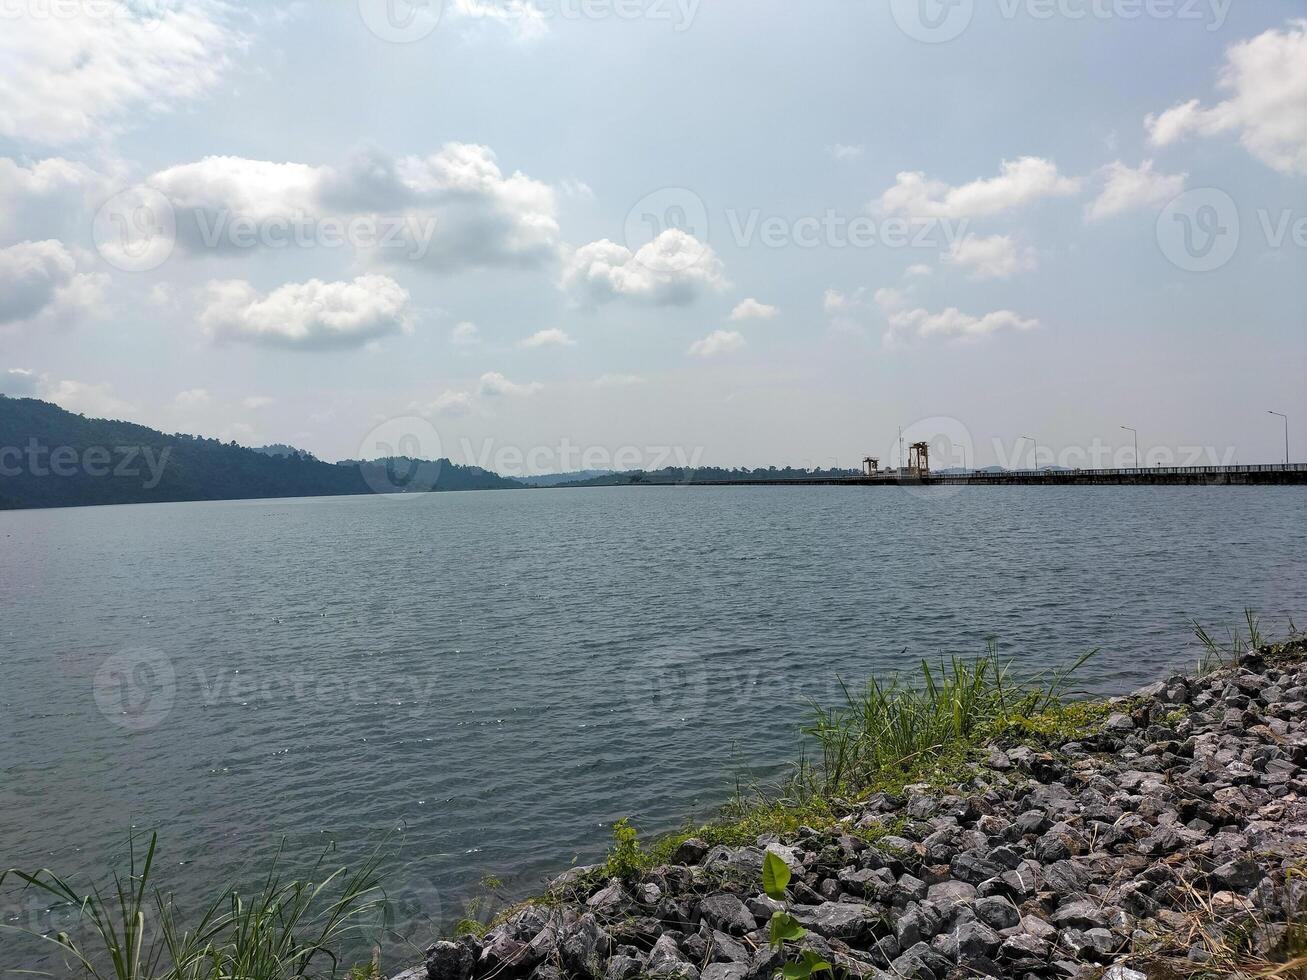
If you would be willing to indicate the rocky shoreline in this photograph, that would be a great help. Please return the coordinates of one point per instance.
(1164, 841)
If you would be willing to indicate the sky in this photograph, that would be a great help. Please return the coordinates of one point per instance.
(541, 235)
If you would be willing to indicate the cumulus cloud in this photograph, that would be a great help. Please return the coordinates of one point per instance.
(1127, 189)
(674, 269)
(313, 315)
(521, 18)
(96, 400)
(19, 383)
(1265, 78)
(751, 309)
(255, 402)
(844, 151)
(70, 78)
(918, 270)
(617, 380)
(995, 257)
(495, 385)
(716, 343)
(48, 194)
(906, 321)
(192, 398)
(448, 404)
(1018, 183)
(449, 210)
(547, 338)
(836, 302)
(465, 334)
(39, 283)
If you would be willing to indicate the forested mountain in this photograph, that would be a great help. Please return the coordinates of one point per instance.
(50, 457)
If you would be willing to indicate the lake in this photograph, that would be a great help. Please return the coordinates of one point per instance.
(496, 677)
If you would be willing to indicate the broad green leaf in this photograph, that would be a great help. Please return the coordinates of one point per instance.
(785, 928)
(795, 971)
(813, 963)
(775, 876)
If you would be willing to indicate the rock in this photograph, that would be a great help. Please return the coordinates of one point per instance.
(974, 940)
(1240, 875)
(725, 971)
(920, 962)
(449, 961)
(665, 960)
(998, 913)
(1079, 914)
(623, 968)
(1120, 971)
(950, 893)
(690, 851)
(840, 920)
(585, 947)
(727, 913)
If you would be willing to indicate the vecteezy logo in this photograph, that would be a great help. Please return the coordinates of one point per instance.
(136, 229)
(136, 689)
(674, 209)
(401, 21)
(933, 21)
(401, 456)
(665, 685)
(1199, 230)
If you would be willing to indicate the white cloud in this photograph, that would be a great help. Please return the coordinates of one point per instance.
(717, 342)
(73, 77)
(465, 334)
(313, 315)
(19, 383)
(1019, 183)
(996, 257)
(1265, 78)
(618, 380)
(918, 271)
(552, 337)
(255, 402)
(47, 194)
(495, 385)
(843, 151)
(94, 400)
(522, 18)
(751, 309)
(833, 301)
(449, 210)
(192, 398)
(450, 404)
(39, 284)
(906, 321)
(673, 269)
(1127, 189)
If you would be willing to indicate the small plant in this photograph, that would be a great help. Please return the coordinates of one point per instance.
(626, 859)
(784, 927)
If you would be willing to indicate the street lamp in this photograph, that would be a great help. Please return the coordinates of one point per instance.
(1136, 432)
(1286, 434)
(1034, 453)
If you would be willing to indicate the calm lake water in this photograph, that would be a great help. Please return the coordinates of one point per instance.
(503, 675)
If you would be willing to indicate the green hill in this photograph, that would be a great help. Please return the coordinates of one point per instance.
(50, 457)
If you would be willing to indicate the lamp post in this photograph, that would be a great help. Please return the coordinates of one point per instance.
(1136, 434)
(1286, 434)
(1034, 453)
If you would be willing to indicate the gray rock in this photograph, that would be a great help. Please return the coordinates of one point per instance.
(920, 962)
(725, 971)
(449, 961)
(848, 921)
(997, 913)
(727, 913)
(623, 968)
(690, 851)
(1120, 971)
(1241, 875)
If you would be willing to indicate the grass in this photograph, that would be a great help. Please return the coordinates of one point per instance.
(883, 737)
(284, 929)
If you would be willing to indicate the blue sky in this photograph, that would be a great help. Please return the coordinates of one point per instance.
(744, 233)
